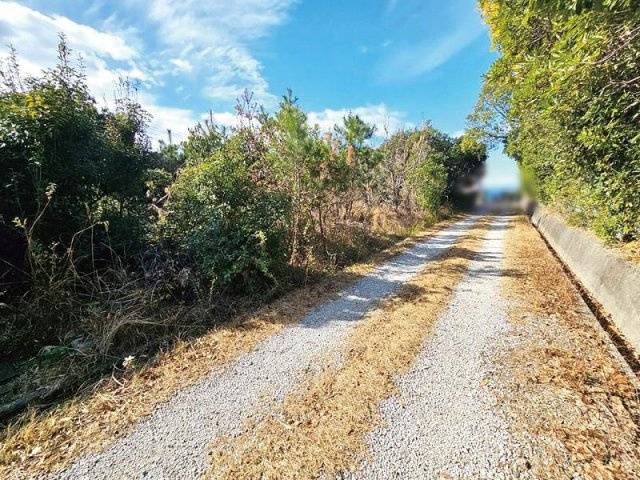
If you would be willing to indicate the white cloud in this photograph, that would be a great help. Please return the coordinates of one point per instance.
(226, 119)
(182, 65)
(215, 35)
(29, 28)
(386, 121)
(85, 37)
(178, 120)
(105, 56)
(236, 70)
(191, 20)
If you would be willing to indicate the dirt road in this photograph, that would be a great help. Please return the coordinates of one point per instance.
(470, 355)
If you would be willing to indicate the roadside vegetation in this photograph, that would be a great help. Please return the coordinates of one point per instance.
(111, 250)
(564, 99)
(51, 440)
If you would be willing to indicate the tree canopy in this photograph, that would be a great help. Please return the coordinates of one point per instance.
(564, 98)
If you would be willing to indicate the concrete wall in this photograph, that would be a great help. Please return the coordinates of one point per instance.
(612, 281)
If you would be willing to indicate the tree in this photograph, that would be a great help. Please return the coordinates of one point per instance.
(204, 139)
(397, 164)
(564, 98)
(360, 160)
(52, 134)
(296, 155)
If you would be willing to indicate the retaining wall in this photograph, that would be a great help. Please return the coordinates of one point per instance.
(611, 281)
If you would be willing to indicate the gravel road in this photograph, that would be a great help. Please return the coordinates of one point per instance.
(443, 423)
(173, 441)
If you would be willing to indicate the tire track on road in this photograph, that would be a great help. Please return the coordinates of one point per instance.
(320, 428)
(444, 423)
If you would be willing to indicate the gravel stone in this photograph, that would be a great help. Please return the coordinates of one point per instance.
(173, 441)
(444, 423)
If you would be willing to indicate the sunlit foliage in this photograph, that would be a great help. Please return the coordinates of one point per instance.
(564, 97)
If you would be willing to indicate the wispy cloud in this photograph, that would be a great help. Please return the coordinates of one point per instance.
(425, 57)
(215, 37)
(182, 65)
(440, 42)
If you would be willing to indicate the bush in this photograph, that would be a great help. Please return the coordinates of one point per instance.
(233, 231)
(53, 138)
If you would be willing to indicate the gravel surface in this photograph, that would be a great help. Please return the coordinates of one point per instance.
(173, 441)
(444, 421)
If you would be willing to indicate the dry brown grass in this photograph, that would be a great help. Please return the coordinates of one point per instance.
(565, 388)
(320, 428)
(386, 220)
(49, 441)
(630, 251)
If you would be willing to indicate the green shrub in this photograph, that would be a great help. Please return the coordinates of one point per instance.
(52, 134)
(234, 231)
(430, 181)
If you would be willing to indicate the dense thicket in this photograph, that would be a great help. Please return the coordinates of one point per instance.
(108, 241)
(564, 97)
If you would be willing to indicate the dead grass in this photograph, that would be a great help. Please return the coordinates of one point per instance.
(386, 220)
(47, 442)
(320, 428)
(566, 390)
(630, 251)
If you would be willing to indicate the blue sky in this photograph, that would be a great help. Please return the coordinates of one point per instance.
(397, 63)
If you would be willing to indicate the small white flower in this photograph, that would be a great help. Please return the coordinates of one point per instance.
(128, 361)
